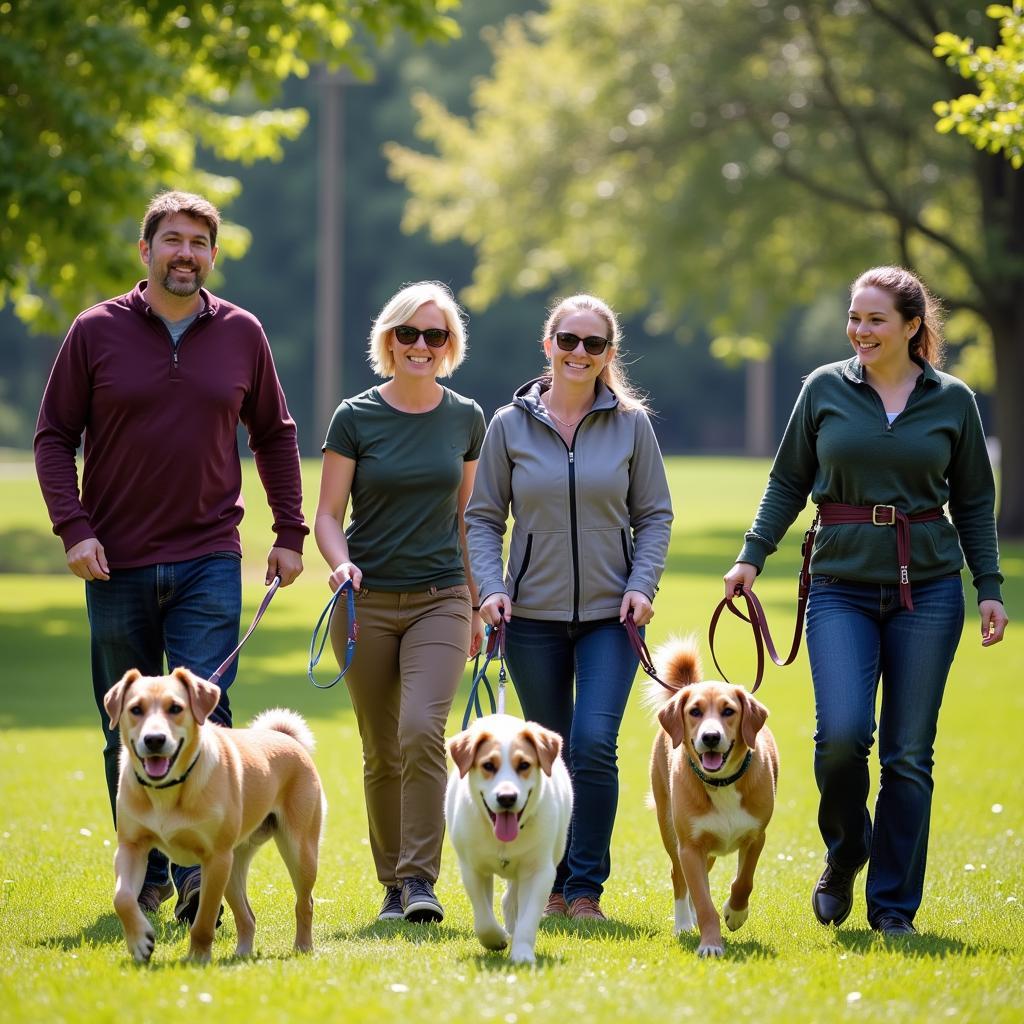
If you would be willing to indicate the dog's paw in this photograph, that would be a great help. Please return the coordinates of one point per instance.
(734, 918)
(198, 954)
(142, 947)
(493, 938)
(522, 954)
(710, 949)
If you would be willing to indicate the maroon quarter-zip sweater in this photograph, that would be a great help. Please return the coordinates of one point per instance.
(161, 476)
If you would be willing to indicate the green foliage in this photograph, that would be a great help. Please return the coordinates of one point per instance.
(104, 103)
(993, 117)
(65, 960)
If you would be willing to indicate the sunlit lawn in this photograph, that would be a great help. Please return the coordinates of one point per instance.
(63, 958)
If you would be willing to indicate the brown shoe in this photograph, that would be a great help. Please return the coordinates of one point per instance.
(586, 908)
(556, 906)
(153, 895)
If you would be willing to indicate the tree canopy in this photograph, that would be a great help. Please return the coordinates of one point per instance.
(104, 103)
(993, 117)
(734, 159)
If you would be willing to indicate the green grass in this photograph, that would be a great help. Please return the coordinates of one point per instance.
(62, 957)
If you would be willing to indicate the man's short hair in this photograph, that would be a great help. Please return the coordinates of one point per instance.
(166, 204)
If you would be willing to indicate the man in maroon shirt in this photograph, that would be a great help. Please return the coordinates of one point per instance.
(158, 380)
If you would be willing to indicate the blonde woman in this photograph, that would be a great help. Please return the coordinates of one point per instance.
(575, 458)
(405, 454)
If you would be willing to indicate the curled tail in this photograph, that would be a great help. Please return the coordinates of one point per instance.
(678, 664)
(291, 723)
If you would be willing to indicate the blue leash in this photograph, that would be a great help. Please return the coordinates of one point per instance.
(350, 644)
(495, 649)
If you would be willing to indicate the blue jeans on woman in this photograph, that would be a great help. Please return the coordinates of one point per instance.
(858, 634)
(545, 659)
(188, 611)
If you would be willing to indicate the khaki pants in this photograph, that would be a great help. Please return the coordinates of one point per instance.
(410, 655)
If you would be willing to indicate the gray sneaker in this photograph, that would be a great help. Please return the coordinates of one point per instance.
(419, 904)
(391, 908)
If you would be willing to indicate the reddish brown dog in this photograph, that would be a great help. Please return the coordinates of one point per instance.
(714, 768)
(210, 796)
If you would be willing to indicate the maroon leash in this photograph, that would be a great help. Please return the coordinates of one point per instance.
(641, 651)
(759, 623)
(215, 678)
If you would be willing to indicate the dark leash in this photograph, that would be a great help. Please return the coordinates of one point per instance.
(352, 633)
(636, 641)
(222, 668)
(494, 648)
(758, 621)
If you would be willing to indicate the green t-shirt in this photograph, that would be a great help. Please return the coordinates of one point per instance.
(404, 532)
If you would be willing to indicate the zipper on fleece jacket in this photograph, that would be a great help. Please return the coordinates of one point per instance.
(573, 533)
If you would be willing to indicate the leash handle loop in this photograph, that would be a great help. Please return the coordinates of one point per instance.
(265, 604)
(315, 653)
(640, 650)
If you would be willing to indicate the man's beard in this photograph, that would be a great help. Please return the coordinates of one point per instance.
(184, 288)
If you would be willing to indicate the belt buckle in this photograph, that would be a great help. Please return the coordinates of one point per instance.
(891, 521)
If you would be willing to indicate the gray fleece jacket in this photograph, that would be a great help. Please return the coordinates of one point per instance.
(590, 521)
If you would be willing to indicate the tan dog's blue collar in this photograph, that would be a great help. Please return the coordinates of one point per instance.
(708, 780)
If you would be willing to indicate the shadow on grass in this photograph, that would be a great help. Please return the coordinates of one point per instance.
(735, 949)
(106, 931)
(921, 945)
(404, 931)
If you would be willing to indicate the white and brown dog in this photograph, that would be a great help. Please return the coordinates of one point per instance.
(714, 768)
(508, 807)
(210, 796)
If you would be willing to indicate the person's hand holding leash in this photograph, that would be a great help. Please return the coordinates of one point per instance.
(741, 575)
(476, 636)
(637, 603)
(285, 563)
(343, 572)
(993, 622)
(87, 560)
(495, 608)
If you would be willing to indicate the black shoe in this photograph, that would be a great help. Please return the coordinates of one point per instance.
(187, 907)
(893, 924)
(153, 895)
(832, 898)
(419, 904)
(391, 908)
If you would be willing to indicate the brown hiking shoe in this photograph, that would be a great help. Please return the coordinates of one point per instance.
(586, 908)
(153, 895)
(556, 906)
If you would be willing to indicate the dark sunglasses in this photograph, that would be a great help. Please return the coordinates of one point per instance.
(567, 343)
(435, 337)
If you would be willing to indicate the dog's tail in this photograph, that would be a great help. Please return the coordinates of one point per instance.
(291, 723)
(678, 664)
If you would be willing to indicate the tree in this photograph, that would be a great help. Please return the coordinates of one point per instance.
(104, 102)
(992, 118)
(732, 161)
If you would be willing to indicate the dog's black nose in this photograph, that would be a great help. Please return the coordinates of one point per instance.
(154, 740)
(506, 799)
(711, 739)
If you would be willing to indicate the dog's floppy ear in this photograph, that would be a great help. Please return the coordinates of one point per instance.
(462, 748)
(754, 715)
(202, 696)
(113, 701)
(670, 714)
(547, 743)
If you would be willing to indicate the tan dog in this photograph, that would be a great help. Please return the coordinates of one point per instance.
(508, 807)
(210, 796)
(714, 767)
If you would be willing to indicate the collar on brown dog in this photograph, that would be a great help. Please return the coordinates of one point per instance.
(174, 782)
(709, 781)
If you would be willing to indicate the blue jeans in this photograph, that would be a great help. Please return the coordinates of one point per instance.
(544, 658)
(186, 611)
(857, 633)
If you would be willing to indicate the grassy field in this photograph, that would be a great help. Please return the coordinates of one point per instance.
(62, 957)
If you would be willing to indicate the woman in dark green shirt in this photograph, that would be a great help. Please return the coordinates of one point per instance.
(882, 442)
(405, 454)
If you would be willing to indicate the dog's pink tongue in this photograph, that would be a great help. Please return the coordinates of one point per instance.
(157, 767)
(711, 760)
(506, 826)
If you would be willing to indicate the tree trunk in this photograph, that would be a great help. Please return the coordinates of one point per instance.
(1008, 332)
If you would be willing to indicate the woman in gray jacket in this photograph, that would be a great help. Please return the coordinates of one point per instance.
(575, 458)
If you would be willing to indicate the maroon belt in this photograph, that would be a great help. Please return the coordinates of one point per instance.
(834, 514)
